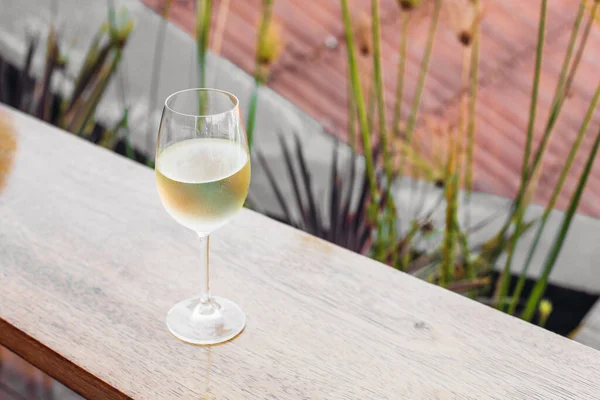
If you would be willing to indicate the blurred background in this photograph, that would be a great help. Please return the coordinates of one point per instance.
(451, 139)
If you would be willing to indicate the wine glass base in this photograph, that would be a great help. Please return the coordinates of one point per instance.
(214, 322)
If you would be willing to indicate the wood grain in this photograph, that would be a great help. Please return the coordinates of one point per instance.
(90, 263)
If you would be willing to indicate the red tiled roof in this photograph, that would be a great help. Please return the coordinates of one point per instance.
(314, 77)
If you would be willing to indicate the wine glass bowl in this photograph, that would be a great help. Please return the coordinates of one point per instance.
(202, 175)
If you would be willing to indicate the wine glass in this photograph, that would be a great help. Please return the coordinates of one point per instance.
(202, 175)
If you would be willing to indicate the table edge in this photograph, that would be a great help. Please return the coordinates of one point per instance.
(57, 366)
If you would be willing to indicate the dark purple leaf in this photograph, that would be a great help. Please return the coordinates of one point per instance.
(364, 241)
(333, 198)
(24, 94)
(313, 211)
(4, 94)
(89, 72)
(275, 186)
(344, 217)
(360, 214)
(291, 172)
(43, 104)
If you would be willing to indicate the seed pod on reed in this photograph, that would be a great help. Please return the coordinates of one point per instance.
(362, 33)
(408, 5)
(271, 46)
(464, 15)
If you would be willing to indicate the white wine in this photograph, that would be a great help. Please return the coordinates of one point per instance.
(203, 182)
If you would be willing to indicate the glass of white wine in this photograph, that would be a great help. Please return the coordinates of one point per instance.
(202, 175)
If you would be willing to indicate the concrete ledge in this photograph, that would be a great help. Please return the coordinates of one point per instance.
(577, 266)
(589, 333)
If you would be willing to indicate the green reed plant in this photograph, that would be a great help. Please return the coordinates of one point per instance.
(203, 24)
(74, 112)
(378, 85)
(357, 95)
(269, 45)
(454, 263)
(528, 182)
(559, 94)
(412, 119)
(472, 49)
(540, 286)
(446, 254)
(502, 288)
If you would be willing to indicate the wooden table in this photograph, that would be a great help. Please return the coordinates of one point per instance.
(90, 263)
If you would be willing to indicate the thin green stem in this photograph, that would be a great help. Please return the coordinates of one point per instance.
(378, 75)
(447, 271)
(463, 241)
(540, 286)
(389, 214)
(450, 193)
(398, 111)
(400, 74)
(534, 91)
(360, 101)
(203, 19)
(252, 115)
(558, 91)
(557, 190)
(560, 95)
(127, 140)
(371, 104)
(470, 80)
(351, 118)
(504, 281)
(424, 68)
(259, 74)
(406, 246)
(474, 81)
(412, 121)
(203, 14)
(580, 50)
(205, 37)
(561, 90)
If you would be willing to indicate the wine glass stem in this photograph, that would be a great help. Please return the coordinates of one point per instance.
(205, 286)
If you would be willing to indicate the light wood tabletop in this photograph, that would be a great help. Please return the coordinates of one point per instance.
(90, 263)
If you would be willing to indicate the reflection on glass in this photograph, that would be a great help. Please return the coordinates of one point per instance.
(207, 395)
